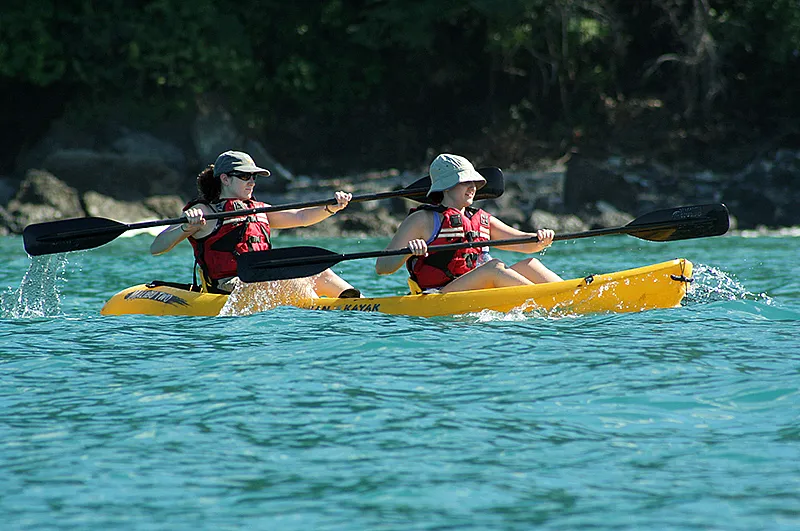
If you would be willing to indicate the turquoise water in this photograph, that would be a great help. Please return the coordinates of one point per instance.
(687, 418)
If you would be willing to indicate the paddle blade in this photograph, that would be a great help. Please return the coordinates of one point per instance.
(67, 235)
(282, 264)
(682, 223)
(494, 187)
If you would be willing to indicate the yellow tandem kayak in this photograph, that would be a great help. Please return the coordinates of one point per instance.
(660, 285)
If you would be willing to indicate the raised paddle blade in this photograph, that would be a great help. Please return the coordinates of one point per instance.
(682, 223)
(495, 184)
(67, 235)
(283, 263)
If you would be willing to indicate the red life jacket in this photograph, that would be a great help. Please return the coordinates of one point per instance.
(216, 253)
(440, 268)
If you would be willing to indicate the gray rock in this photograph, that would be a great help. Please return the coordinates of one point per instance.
(125, 178)
(42, 197)
(25, 214)
(541, 219)
(365, 224)
(280, 176)
(99, 205)
(43, 188)
(138, 144)
(165, 206)
(602, 215)
(214, 131)
(766, 192)
(588, 181)
(513, 217)
(8, 189)
(63, 134)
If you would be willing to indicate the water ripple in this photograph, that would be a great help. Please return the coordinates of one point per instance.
(679, 419)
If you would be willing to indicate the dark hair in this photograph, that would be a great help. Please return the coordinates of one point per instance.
(208, 184)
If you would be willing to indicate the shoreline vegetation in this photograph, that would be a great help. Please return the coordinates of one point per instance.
(594, 110)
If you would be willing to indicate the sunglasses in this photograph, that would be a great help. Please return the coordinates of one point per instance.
(243, 176)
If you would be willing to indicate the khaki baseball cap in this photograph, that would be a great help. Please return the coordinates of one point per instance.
(236, 161)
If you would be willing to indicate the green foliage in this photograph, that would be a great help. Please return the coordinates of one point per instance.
(446, 67)
(770, 30)
(28, 49)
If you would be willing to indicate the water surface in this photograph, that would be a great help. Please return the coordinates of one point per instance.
(687, 418)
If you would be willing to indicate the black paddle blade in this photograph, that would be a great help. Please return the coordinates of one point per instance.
(281, 264)
(682, 223)
(494, 187)
(63, 236)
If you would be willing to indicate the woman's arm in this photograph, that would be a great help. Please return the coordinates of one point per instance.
(413, 232)
(174, 234)
(303, 217)
(501, 231)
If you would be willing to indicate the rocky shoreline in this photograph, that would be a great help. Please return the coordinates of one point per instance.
(132, 176)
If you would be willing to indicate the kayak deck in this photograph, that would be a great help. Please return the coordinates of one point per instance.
(660, 285)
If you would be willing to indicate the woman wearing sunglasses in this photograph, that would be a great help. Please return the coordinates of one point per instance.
(227, 186)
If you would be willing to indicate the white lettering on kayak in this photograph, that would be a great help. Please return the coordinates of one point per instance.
(155, 295)
(350, 307)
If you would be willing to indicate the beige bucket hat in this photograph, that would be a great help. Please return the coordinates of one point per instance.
(449, 170)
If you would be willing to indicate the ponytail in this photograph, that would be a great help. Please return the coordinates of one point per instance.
(209, 185)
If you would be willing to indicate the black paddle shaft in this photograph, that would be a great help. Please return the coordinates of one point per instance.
(88, 227)
(75, 234)
(673, 224)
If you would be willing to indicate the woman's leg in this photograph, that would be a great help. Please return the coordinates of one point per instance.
(492, 274)
(329, 284)
(535, 271)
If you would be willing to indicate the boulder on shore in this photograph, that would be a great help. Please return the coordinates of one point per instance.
(42, 197)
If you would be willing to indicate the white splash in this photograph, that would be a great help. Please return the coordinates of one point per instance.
(37, 295)
(249, 298)
(712, 284)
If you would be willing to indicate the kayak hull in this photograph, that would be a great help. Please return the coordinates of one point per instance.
(660, 285)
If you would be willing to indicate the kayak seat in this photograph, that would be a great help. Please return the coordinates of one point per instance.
(350, 293)
(414, 287)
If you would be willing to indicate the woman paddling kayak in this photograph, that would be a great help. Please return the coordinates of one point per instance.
(453, 221)
(227, 185)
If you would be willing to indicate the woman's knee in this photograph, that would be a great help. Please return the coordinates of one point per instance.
(535, 271)
(494, 263)
(530, 264)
